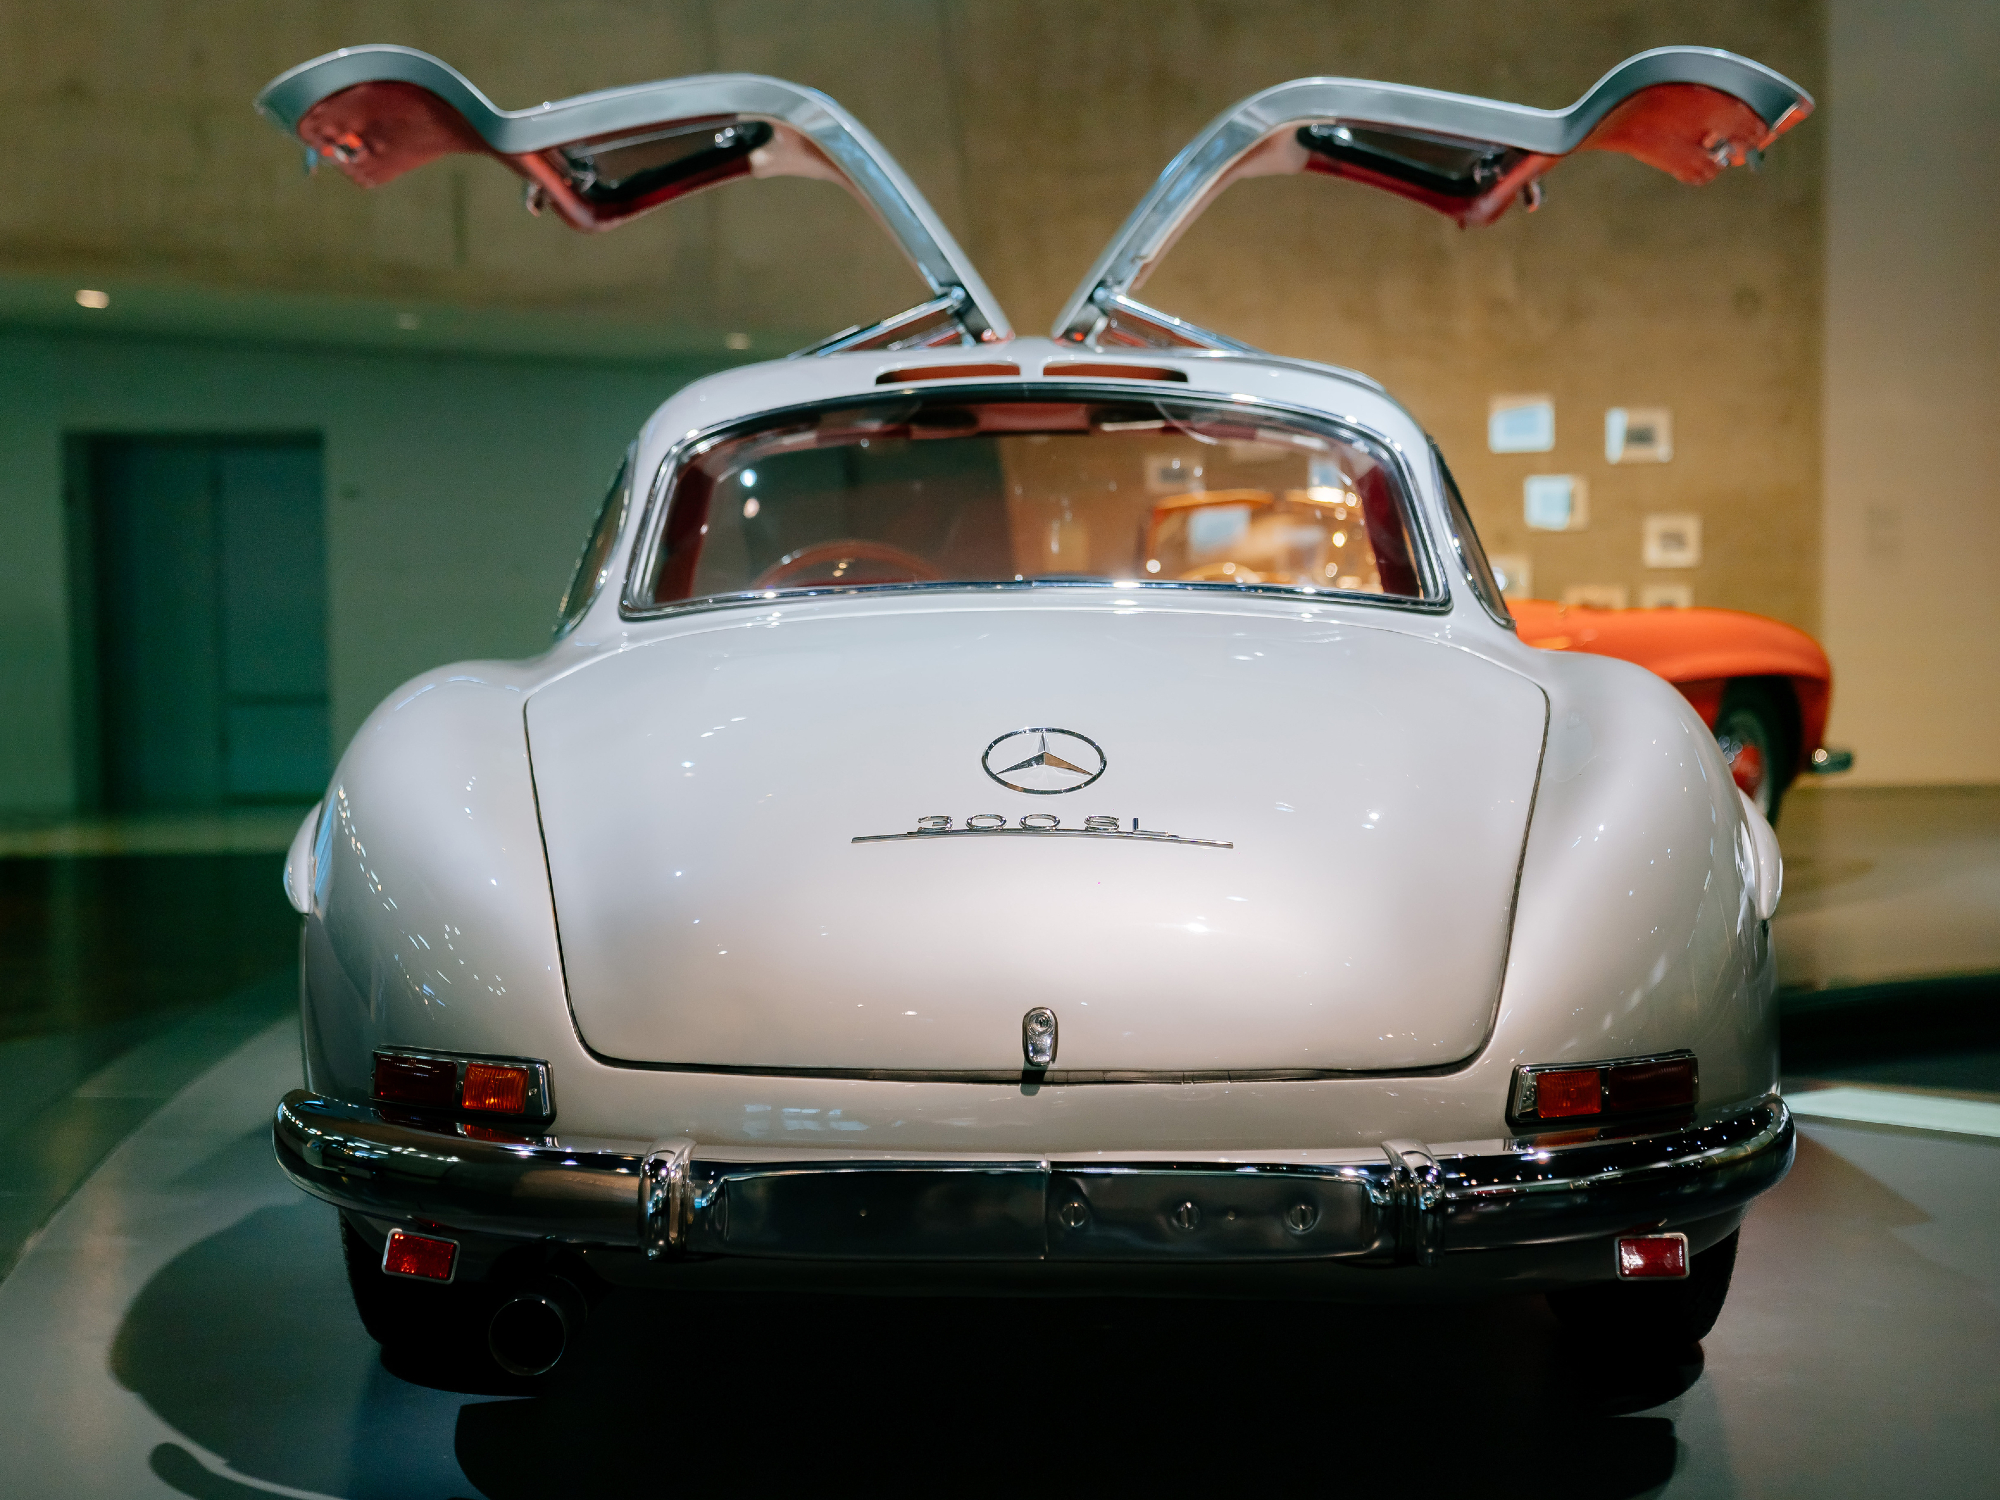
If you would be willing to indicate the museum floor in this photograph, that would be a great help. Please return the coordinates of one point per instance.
(175, 1320)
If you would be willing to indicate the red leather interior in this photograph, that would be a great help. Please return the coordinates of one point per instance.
(375, 132)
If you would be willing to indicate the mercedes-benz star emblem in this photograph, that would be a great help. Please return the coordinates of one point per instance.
(1043, 761)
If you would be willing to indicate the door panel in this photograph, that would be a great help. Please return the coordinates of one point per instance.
(158, 597)
(273, 573)
(211, 563)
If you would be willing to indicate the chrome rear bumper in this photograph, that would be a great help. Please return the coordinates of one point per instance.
(677, 1199)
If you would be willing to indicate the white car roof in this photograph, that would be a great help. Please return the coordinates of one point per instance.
(735, 394)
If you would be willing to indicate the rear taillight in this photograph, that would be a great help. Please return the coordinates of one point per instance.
(416, 1080)
(515, 1088)
(1578, 1093)
(419, 1255)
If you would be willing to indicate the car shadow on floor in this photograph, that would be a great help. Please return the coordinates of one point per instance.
(992, 1394)
(247, 1346)
(894, 1393)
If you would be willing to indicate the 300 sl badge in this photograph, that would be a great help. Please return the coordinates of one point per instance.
(1036, 825)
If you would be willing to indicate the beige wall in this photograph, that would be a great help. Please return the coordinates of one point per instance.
(1912, 562)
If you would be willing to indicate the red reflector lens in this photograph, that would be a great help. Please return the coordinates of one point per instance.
(1649, 1255)
(474, 1132)
(419, 1255)
(415, 1080)
(500, 1091)
(1559, 1096)
(1643, 1086)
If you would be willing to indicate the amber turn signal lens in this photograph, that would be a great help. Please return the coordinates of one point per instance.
(1563, 1096)
(419, 1255)
(495, 1090)
(416, 1080)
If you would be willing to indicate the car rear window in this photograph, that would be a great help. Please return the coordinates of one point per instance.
(1002, 488)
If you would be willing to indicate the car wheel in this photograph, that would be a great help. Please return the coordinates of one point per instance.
(1651, 1317)
(403, 1314)
(1754, 731)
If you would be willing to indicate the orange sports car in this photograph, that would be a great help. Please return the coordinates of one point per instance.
(1761, 685)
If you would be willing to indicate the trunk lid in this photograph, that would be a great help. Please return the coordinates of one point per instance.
(701, 797)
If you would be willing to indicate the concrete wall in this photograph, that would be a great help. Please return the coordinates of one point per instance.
(458, 492)
(1912, 555)
(167, 171)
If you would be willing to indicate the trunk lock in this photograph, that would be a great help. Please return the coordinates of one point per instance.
(1038, 1037)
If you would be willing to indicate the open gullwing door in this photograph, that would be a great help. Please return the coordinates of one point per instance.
(1690, 111)
(601, 159)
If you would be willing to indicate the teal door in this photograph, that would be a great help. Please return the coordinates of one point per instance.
(210, 621)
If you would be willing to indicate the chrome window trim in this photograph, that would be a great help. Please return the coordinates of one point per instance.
(1445, 487)
(1282, 592)
(1437, 598)
(567, 619)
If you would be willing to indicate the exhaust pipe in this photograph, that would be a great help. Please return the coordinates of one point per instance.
(534, 1326)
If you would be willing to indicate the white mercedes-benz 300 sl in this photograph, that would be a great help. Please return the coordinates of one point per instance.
(1033, 812)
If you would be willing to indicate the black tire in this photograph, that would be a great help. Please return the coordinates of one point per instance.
(1659, 1317)
(403, 1314)
(1757, 719)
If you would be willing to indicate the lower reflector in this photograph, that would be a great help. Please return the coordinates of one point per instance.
(420, 1256)
(1645, 1257)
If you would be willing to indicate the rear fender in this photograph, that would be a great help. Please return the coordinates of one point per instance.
(1637, 929)
(432, 924)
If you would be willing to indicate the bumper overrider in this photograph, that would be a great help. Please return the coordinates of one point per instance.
(679, 1199)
